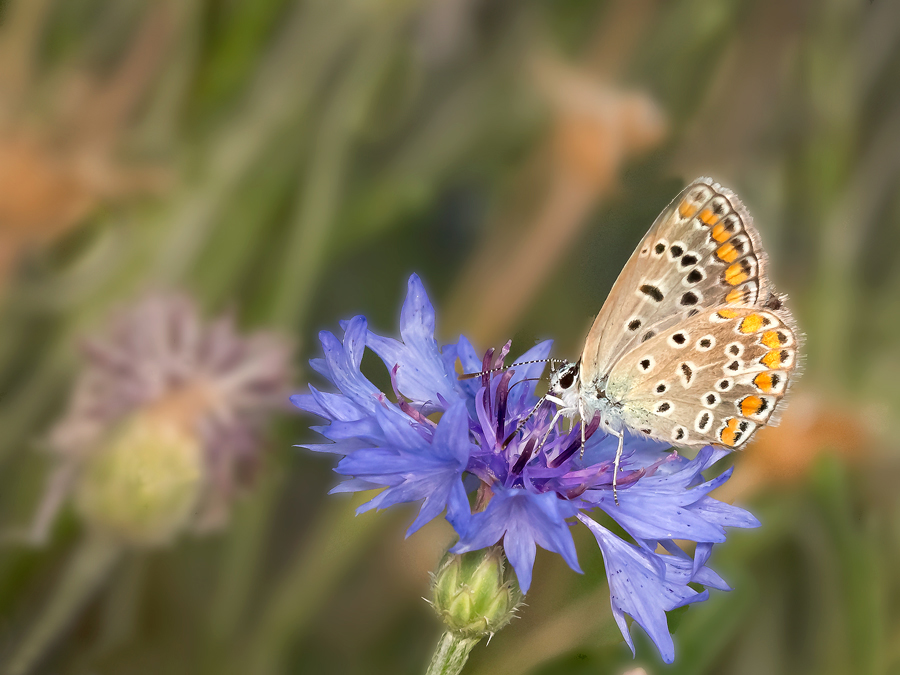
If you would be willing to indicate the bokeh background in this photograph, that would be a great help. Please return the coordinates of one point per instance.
(293, 161)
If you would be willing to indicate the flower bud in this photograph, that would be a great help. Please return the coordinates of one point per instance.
(142, 485)
(476, 593)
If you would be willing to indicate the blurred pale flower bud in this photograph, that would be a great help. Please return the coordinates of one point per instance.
(142, 485)
(476, 593)
(163, 426)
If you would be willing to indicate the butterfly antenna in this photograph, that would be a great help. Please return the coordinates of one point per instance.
(524, 421)
(469, 376)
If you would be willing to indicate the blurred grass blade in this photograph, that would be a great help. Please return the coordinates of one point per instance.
(87, 569)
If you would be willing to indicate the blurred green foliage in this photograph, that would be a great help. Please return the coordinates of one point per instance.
(312, 154)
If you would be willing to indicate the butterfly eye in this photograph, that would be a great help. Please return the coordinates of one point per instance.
(567, 380)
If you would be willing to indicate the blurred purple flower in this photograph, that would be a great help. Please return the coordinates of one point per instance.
(159, 358)
(532, 479)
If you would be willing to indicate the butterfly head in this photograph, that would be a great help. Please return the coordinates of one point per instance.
(565, 384)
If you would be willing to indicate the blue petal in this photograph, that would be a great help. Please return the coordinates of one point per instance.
(522, 519)
(353, 485)
(343, 362)
(680, 563)
(398, 429)
(726, 514)
(366, 429)
(417, 315)
(421, 372)
(639, 587)
(639, 451)
(412, 469)
(341, 447)
(648, 516)
(674, 506)
(451, 438)
(469, 361)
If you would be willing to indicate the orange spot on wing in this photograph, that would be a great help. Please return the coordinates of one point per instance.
(736, 274)
(730, 434)
(772, 339)
(751, 405)
(775, 358)
(727, 252)
(764, 382)
(727, 314)
(720, 233)
(687, 209)
(708, 217)
(752, 323)
(735, 297)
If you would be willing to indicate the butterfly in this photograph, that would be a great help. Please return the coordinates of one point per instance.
(693, 346)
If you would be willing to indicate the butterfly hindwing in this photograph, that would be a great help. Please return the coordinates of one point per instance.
(702, 251)
(714, 378)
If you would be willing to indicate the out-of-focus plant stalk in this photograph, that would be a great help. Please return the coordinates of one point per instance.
(539, 639)
(295, 598)
(322, 186)
(597, 127)
(302, 260)
(315, 35)
(89, 566)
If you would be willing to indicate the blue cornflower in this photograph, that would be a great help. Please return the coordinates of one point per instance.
(530, 478)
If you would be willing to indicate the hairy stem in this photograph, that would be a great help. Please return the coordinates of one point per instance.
(451, 654)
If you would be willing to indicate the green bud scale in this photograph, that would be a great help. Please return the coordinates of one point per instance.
(476, 593)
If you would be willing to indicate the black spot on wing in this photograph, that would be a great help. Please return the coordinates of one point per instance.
(773, 302)
(653, 292)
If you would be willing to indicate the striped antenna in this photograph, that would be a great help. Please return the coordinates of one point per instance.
(521, 424)
(469, 376)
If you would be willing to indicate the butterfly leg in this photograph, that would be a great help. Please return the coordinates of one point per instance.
(559, 413)
(621, 436)
(581, 416)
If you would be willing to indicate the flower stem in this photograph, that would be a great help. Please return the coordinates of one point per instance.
(451, 654)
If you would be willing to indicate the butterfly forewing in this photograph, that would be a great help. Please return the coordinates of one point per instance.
(714, 378)
(701, 252)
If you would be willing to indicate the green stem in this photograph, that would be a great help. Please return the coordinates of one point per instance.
(451, 654)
